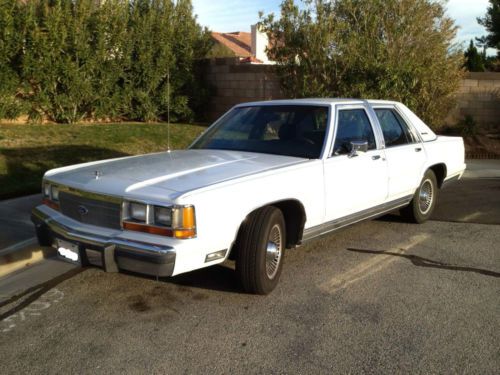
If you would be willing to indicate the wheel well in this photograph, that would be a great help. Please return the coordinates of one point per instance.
(295, 218)
(440, 172)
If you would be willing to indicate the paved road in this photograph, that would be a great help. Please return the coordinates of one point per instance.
(379, 297)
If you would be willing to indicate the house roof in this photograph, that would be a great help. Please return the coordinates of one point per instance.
(239, 42)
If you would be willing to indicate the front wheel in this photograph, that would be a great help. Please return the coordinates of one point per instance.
(424, 201)
(261, 249)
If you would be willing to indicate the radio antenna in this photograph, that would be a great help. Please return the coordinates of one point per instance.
(168, 109)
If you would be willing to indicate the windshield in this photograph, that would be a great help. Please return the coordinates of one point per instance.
(292, 130)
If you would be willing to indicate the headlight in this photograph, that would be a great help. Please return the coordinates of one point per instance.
(172, 221)
(138, 211)
(54, 193)
(50, 195)
(46, 190)
(163, 216)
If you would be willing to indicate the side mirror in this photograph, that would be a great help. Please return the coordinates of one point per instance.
(358, 147)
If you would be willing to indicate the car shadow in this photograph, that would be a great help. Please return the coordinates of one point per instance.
(424, 262)
(220, 277)
(24, 174)
(392, 217)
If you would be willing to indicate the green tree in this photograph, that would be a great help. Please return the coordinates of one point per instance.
(491, 21)
(11, 104)
(474, 61)
(387, 49)
(220, 50)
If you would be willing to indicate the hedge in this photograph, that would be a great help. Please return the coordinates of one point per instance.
(74, 60)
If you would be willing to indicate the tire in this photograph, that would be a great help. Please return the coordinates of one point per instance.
(258, 262)
(424, 201)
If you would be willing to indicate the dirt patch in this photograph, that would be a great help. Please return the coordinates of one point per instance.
(139, 304)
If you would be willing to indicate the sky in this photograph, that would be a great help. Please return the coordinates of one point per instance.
(238, 15)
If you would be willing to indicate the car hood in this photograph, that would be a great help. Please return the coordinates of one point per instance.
(165, 175)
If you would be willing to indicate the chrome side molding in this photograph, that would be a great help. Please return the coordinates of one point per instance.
(342, 222)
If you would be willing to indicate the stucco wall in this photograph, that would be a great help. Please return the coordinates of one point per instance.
(478, 96)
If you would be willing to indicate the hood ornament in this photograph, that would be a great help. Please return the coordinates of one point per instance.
(97, 174)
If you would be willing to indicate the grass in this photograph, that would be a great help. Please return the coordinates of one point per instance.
(27, 151)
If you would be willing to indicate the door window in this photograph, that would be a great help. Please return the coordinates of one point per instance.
(396, 131)
(353, 125)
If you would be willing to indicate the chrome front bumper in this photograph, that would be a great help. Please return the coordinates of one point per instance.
(116, 254)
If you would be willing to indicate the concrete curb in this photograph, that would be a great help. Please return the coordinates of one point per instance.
(18, 246)
(26, 254)
(481, 156)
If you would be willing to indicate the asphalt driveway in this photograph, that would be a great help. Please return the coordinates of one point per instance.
(379, 297)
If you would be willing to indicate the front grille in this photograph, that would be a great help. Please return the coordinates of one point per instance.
(90, 211)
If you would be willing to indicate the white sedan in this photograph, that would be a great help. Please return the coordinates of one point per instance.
(265, 177)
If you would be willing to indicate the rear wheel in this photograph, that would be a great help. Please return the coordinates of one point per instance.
(422, 205)
(261, 249)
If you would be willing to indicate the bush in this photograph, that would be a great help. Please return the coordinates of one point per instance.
(83, 60)
(468, 127)
(379, 49)
(11, 106)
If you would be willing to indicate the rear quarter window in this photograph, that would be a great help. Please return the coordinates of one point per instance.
(395, 130)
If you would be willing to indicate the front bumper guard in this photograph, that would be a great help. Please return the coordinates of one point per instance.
(116, 254)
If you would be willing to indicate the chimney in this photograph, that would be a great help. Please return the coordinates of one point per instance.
(259, 44)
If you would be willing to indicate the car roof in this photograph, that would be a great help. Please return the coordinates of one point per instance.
(317, 101)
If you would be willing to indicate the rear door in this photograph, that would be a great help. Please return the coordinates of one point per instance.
(403, 150)
(354, 183)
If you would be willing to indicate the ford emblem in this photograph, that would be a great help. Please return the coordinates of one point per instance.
(82, 210)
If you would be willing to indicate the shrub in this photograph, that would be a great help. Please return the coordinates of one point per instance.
(468, 126)
(11, 105)
(88, 60)
(379, 49)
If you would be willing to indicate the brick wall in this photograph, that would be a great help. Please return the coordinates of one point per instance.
(478, 96)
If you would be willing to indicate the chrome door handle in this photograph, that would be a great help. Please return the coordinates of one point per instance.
(418, 149)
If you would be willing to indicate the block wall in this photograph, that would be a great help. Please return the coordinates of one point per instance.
(233, 82)
(479, 97)
(236, 83)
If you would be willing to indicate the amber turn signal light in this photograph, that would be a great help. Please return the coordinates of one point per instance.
(51, 204)
(147, 229)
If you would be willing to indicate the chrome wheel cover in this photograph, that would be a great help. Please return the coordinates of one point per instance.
(274, 250)
(425, 196)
